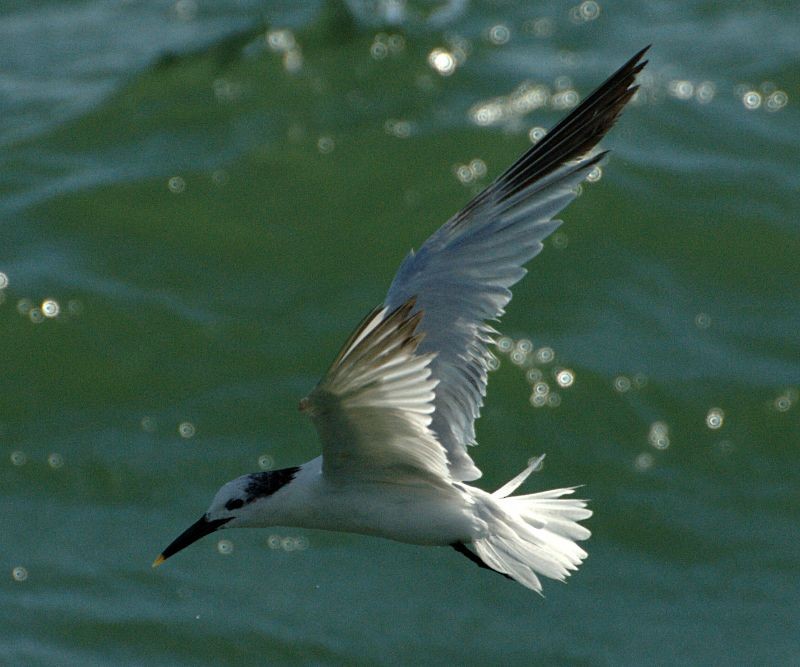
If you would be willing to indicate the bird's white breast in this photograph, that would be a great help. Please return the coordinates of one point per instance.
(417, 513)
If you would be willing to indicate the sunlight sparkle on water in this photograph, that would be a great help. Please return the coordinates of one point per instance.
(467, 173)
(385, 44)
(524, 345)
(751, 99)
(519, 354)
(518, 357)
(644, 461)
(291, 543)
(442, 61)
(565, 99)
(50, 308)
(533, 375)
(499, 34)
(541, 28)
(293, 61)
(536, 134)
(176, 185)
(715, 418)
(538, 400)
(55, 461)
(528, 97)
(325, 145)
(702, 320)
(588, 10)
(786, 400)
(219, 177)
(523, 99)
(186, 430)
(622, 384)
(541, 389)
(681, 88)
(227, 91)
(280, 40)
(560, 240)
(287, 542)
(595, 174)
(565, 377)
(505, 344)
(487, 114)
(478, 167)
(704, 92)
(776, 100)
(523, 354)
(659, 435)
(765, 96)
(401, 129)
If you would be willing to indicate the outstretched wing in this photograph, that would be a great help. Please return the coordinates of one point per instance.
(462, 274)
(373, 408)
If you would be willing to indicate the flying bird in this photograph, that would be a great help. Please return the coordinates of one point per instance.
(395, 411)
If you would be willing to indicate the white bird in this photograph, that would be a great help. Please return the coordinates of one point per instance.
(395, 412)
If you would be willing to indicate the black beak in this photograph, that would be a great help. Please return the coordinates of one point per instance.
(193, 533)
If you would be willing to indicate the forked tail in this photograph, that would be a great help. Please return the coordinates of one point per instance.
(534, 534)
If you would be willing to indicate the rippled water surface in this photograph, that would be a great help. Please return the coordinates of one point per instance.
(199, 200)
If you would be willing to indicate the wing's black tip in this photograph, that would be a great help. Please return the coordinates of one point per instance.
(571, 138)
(580, 131)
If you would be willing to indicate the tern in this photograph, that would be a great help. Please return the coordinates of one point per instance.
(395, 411)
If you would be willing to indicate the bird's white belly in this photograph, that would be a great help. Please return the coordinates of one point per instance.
(416, 514)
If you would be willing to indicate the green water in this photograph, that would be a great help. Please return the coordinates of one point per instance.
(211, 214)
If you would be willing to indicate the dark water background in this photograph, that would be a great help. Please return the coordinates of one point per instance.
(199, 200)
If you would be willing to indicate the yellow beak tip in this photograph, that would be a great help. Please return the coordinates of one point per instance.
(159, 560)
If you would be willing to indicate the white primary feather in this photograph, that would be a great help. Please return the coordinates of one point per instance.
(373, 408)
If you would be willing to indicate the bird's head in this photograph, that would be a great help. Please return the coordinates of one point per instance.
(234, 506)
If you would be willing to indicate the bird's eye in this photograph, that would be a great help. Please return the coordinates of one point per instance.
(234, 504)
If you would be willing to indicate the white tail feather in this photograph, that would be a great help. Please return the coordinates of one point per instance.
(511, 486)
(533, 534)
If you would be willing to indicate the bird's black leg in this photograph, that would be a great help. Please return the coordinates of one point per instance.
(462, 549)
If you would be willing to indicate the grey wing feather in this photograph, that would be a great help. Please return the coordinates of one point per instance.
(462, 275)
